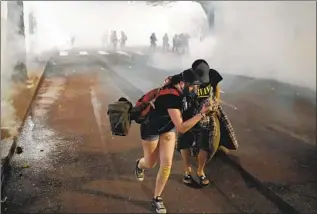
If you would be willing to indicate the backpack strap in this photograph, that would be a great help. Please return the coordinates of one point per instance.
(164, 91)
(156, 96)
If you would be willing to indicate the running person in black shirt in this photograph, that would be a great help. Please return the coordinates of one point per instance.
(158, 130)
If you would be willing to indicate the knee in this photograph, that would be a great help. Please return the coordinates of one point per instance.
(166, 163)
(168, 137)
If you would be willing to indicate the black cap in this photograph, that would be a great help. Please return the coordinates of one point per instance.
(197, 62)
(191, 77)
(202, 70)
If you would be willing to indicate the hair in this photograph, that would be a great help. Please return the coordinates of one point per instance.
(176, 79)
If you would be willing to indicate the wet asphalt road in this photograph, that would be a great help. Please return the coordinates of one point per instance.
(71, 163)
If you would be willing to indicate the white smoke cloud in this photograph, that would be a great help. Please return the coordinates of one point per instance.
(271, 39)
(275, 40)
(57, 21)
(12, 52)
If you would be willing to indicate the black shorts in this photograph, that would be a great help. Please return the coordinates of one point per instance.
(152, 131)
(202, 139)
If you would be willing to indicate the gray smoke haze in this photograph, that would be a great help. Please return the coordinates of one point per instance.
(271, 39)
(12, 52)
(88, 21)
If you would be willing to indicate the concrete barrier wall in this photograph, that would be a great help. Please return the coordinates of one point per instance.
(3, 31)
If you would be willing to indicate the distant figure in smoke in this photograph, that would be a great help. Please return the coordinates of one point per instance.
(114, 40)
(123, 39)
(72, 41)
(181, 43)
(186, 43)
(175, 39)
(165, 42)
(104, 39)
(153, 42)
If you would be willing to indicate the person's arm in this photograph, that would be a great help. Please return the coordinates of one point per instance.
(183, 126)
(173, 104)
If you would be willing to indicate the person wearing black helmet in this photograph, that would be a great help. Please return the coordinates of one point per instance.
(158, 131)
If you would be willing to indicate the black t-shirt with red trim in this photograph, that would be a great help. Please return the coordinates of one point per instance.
(159, 120)
(168, 101)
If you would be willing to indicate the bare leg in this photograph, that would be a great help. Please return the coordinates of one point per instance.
(202, 159)
(186, 161)
(150, 150)
(166, 147)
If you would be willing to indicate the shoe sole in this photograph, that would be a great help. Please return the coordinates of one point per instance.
(158, 211)
(187, 182)
(135, 173)
(140, 179)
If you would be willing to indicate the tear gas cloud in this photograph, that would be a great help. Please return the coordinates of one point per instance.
(271, 39)
(275, 40)
(57, 21)
(11, 54)
(88, 21)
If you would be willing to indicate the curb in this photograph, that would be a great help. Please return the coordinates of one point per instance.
(5, 163)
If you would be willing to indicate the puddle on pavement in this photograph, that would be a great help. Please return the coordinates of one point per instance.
(48, 95)
(38, 141)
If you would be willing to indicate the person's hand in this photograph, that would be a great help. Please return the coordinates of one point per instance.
(205, 108)
(214, 103)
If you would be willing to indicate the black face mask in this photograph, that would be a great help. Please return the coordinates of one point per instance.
(186, 90)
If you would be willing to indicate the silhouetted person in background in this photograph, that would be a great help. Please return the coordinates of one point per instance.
(165, 42)
(104, 39)
(72, 41)
(123, 39)
(114, 39)
(175, 43)
(153, 41)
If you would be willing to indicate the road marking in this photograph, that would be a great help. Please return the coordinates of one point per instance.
(83, 53)
(123, 53)
(290, 133)
(229, 105)
(222, 92)
(139, 52)
(63, 53)
(97, 109)
(103, 53)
